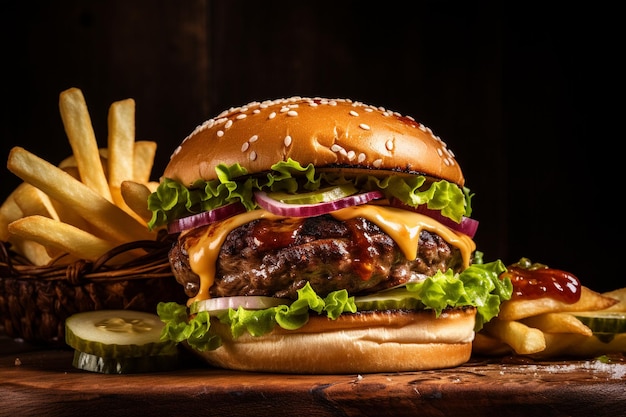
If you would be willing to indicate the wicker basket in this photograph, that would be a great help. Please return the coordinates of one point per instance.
(36, 300)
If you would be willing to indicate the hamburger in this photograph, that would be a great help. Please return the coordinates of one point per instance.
(317, 235)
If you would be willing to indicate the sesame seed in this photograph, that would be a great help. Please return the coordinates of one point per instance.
(364, 126)
(241, 116)
(336, 148)
(353, 113)
(287, 141)
(439, 152)
(272, 115)
(254, 138)
(377, 163)
(292, 113)
(220, 133)
(351, 155)
(284, 109)
(252, 155)
(228, 124)
(389, 145)
(245, 146)
(361, 157)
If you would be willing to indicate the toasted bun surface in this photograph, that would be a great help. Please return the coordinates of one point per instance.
(323, 132)
(382, 341)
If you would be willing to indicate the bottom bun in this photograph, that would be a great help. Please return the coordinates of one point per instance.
(366, 342)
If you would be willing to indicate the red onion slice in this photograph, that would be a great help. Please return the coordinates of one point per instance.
(311, 210)
(467, 226)
(219, 305)
(205, 217)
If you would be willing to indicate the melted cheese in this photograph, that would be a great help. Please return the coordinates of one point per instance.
(403, 226)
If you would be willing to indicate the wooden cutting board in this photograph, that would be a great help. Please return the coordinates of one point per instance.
(44, 383)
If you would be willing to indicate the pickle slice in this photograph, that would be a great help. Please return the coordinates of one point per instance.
(395, 299)
(323, 195)
(607, 322)
(117, 334)
(143, 364)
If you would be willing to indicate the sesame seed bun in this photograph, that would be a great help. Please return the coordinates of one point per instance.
(324, 132)
(375, 341)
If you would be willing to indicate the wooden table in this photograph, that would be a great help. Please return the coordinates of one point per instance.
(42, 382)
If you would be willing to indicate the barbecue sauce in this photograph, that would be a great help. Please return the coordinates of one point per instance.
(363, 249)
(268, 237)
(534, 283)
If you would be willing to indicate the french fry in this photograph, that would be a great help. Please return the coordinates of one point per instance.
(524, 340)
(35, 252)
(68, 214)
(82, 138)
(143, 160)
(70, 161)
(121, 142)
(64, 237)
(557, 323)
(9, 211)
(135, 196)
(521, 308)
(152, 185)
(32, 200)
(620, 295)
(107, 219)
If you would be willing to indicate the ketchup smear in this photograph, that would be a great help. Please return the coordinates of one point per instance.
(544, 282)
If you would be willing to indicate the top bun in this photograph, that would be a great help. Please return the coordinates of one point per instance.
(324, 132)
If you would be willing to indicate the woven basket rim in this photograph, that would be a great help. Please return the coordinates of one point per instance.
(153, 264)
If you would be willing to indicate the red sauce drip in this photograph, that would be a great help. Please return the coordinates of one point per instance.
(268, 236)
(362, 251)
(544, 282)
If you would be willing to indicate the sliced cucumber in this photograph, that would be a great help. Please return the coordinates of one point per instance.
(399, 298)
(603, 322)
(117, 334)
(322, 195)
(93, 363)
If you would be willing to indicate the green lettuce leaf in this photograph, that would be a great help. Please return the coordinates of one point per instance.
(173, 200)
(196, 330)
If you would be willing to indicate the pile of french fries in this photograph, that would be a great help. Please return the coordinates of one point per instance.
(91, 202)
(547, 328)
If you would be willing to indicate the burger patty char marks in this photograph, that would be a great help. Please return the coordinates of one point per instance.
(276, 258)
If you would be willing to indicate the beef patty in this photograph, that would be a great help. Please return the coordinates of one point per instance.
(277, 257)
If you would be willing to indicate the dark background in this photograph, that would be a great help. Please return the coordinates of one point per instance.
(528, 97)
